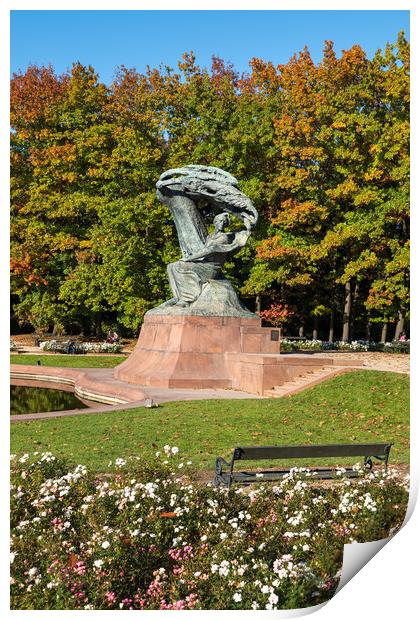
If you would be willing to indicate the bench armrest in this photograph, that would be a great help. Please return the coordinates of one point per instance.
(222, 477)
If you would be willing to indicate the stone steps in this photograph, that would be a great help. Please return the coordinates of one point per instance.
(304, 381)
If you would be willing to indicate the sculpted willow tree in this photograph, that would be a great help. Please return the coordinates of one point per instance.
(197, 282)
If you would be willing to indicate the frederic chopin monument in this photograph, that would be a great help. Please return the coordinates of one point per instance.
(203, 337)
(196, 280)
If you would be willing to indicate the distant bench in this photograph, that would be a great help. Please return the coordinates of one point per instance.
(38, 338)
(19, 348)
(62, 344)
(369, 451)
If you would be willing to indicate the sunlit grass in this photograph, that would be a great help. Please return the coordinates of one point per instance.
(70, 361)
(362, 406)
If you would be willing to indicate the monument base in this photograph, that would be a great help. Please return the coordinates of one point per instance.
(213, 352)
(202, 352)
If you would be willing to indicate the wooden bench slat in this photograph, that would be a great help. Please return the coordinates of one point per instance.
(378, 451)
(279, 473)
(250, 453)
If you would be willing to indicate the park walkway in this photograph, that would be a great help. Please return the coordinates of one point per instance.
(391, 362)
(136, 396)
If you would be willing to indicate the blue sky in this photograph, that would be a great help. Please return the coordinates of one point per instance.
(107, 39)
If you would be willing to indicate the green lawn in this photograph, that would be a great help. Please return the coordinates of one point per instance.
(357, 406)
(72, 361)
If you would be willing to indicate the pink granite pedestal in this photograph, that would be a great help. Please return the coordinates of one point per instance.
(201, 352)
(209, 352)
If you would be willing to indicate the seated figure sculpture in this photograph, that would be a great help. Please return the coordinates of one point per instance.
(188, 276)
(196, 280)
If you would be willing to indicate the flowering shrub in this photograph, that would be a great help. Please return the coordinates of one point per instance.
(60, 346)
(395, 346)
(101, 347)
(80, 347)
(277, 314)
(309, 345)
(13, 345)
(149, 537)
(356, 345)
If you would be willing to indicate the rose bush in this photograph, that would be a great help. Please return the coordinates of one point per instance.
(356, 345)
(80, 347)
(146, 536)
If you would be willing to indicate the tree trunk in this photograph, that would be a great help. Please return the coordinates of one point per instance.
(302, 329)
(97, 324)
(57, 330)
(368, 330)
(331, 330)
(315, 329)
(400, 324)
(355, 297)
(346, 313)
(258, 304)
(384, 332)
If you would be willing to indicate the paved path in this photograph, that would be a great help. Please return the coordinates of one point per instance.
(391, 362)
(136, 395)
(102, 381)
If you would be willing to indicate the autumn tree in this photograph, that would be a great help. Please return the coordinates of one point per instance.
(84, 161)
(342, 138)
(321, 149)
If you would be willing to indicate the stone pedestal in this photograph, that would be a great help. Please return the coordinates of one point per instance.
(202, 352)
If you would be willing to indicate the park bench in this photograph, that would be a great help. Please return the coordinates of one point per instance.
(369, 451)
(60, 343)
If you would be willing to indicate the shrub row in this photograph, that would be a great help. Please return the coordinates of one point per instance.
(355, 345)
(150, 537)
(80, 347)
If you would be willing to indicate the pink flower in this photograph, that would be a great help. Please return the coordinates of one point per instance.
(191, 600)
(328, 585)
(57, 523)
(80, 568)
(177, 605)
(110, 597)
(154, 588)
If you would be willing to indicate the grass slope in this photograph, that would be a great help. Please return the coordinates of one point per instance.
(70, 361)
(358, 406)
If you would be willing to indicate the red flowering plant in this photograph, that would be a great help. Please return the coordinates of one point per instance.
(277, 314)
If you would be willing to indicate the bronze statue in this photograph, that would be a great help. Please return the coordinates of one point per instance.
(196, 280)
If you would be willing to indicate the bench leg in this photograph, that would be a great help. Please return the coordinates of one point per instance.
(223, 478)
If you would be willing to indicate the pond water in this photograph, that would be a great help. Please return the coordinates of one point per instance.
(25, 399)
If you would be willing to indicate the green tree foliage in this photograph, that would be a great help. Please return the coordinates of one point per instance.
(342, 216)
(322, 150)
(89, 243)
